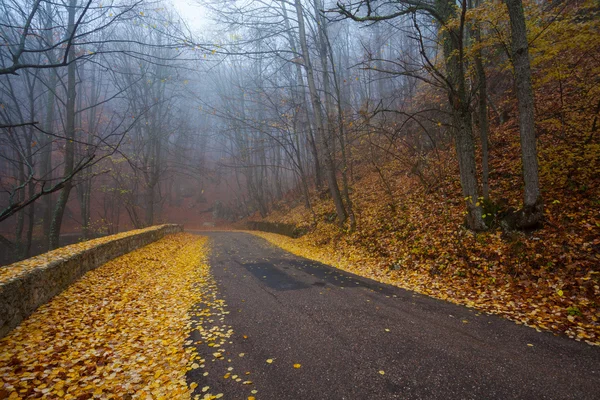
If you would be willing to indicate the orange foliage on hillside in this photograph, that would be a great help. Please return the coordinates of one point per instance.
(413, 236)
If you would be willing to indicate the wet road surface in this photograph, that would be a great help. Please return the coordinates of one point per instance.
(358, 339)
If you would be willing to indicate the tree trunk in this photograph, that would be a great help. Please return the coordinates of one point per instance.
(21, 214)
(85, 186)
(63, 197)
(483, 130)
(482, 108)
(300, 97)
(30, 224)
(452, 39)
(327, 51)
(149, 217)
(532, 213)
(46, 161)
(31, 184)
(316, 103)
(465, 150)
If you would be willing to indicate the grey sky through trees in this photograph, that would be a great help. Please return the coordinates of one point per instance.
(195, 15)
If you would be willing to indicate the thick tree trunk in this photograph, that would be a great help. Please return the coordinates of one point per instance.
(482, 116)
(483, 130)
(532, 213)
(465, 150)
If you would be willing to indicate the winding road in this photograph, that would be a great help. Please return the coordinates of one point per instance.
(355, 338)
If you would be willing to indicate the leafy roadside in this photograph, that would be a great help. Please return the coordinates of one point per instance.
(406, 194)
(542, 305)
(119, 332)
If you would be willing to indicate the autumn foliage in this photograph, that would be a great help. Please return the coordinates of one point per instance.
(120, 332)
(410, 214)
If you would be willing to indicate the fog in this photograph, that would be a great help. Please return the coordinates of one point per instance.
(123, 114)
(127, 113)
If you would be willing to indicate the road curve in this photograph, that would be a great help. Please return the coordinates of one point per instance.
(358, 339)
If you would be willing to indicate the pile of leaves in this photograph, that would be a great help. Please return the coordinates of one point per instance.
(119, 332)
(23, 267)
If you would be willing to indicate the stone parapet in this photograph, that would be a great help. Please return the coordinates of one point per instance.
(27, 284)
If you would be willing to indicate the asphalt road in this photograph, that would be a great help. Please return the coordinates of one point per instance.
(345, 330)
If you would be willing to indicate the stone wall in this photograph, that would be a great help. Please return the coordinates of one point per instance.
(20, 296)
(282, 229)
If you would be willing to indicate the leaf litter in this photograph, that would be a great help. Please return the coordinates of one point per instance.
(119, 332)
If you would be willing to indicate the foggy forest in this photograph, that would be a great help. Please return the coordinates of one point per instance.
(119, 115)
(448, 147)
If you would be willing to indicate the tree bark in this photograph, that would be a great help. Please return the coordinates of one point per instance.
(316, 103)
(482, 108)
(63, 197)
(327, 52)
(85, 187)
(452, 39)
(46, 161)
(21, 214)
(300, 97)
(532, 213)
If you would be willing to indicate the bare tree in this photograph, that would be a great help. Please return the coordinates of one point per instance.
(452, 35)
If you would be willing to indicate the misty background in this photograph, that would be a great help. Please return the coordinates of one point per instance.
(192, 113)
(122, 114)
